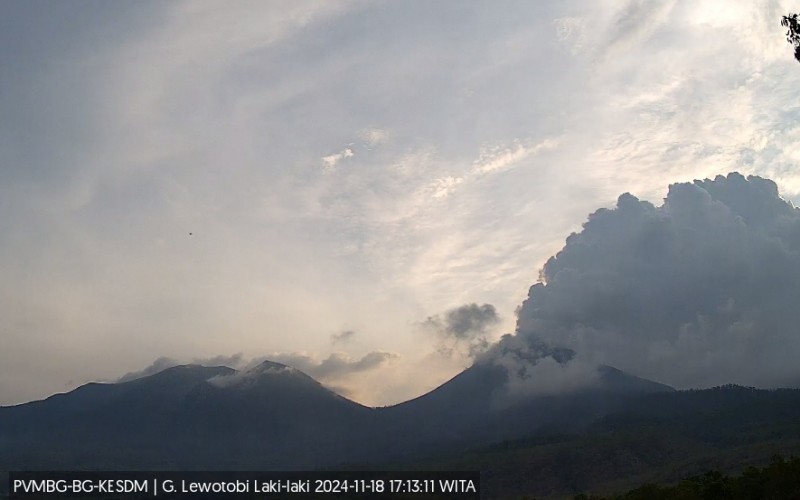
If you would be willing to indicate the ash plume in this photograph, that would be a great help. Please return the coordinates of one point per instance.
(697, 292)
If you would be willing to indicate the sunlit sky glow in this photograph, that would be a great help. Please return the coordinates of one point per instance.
(347, 170)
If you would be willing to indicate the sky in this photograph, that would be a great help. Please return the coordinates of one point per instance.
(365, 190)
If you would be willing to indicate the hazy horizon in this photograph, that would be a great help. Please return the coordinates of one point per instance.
(367, 190)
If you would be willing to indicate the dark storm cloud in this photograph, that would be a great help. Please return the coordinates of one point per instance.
(698, 292)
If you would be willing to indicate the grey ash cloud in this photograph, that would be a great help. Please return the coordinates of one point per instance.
(464, 322)
(334, 366)
(342, 336)
(466, 327)
(697, 292)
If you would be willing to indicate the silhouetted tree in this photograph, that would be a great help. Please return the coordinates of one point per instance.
(793, 34)
(778, 481)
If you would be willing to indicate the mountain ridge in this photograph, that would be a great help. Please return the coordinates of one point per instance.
(304, 423)
(278, 418)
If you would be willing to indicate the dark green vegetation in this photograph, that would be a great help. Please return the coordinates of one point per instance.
(780, 480)
(659, 438)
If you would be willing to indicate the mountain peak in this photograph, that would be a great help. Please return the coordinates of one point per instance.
(261, 373)
(270, 367)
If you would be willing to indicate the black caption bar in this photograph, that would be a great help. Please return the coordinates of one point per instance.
(243, 485)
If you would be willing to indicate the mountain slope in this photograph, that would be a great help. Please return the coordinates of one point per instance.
(136, 406)
(276, 417)
(660, 437)
(183, 417)
(474, 408)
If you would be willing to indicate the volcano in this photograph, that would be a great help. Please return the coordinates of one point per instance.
(274, 417)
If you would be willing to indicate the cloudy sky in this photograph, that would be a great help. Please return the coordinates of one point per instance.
(364, 189)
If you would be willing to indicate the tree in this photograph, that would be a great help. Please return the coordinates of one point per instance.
(793, 35)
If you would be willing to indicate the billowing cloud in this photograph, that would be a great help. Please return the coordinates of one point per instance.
(535, 368)
(463, 328)
(697, 292)
(465, 322)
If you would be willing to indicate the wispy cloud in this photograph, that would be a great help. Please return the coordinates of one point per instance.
(335, 366)
(342, 336)
(491, 160)
(498, 158)
(344, 163)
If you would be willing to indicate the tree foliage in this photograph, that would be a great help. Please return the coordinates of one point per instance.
(778, 481)
(793, 32)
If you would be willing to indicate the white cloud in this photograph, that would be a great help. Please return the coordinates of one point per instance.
(498, 158)
(331, 161)
(478, 140)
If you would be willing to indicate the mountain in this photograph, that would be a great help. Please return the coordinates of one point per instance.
(95, 405)
(276, 417)
(610, 435)
(183, 417)
(97, 423)
(475, 408)
(660, 437)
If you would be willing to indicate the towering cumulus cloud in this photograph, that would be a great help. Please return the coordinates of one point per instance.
(701, 291)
